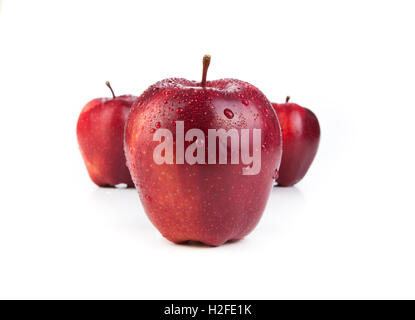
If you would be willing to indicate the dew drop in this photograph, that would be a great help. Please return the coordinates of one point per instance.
(200, 142)
(245, 102)
(228, 113)
(179, 110)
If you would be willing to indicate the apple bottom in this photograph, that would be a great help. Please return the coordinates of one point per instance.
(211, 204)
(106, 169)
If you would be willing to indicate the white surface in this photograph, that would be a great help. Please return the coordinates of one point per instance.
(345, 231)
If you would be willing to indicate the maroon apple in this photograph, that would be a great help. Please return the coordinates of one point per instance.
(202, 156)
(100, 132)
(301, 137)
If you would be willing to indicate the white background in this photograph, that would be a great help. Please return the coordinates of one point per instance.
(346, 231)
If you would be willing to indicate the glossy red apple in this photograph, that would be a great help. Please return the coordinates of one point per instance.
(209, 203)
(301, 137)
(100, 132)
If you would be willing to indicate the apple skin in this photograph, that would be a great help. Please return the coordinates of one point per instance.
(301, 137)
(207, 203)
(100, 133)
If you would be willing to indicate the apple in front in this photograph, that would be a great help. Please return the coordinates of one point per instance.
(100, 132)
(301, 137)
(192, 149)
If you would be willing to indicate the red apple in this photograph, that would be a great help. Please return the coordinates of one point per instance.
(207, 201)
(100, 132)
(301, 137)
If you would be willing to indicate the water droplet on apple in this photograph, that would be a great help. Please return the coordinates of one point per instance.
(228, 113)
(179, 110)
(200, 142)
(245, 102)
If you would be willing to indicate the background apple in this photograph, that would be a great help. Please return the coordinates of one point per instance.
(100, 132)
(210, 203)
(301, 137)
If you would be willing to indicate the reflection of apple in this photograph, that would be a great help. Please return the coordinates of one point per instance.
(210, 203)
(100, 132)
(301, 136)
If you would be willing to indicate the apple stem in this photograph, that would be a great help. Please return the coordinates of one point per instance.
(287, 99)
(109, 86)
(206, 62)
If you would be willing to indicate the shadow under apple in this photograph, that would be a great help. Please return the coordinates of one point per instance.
(120, 207)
